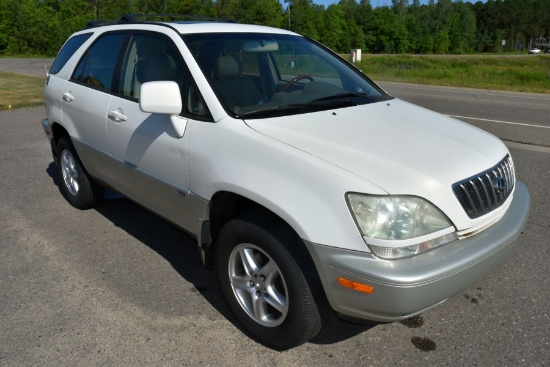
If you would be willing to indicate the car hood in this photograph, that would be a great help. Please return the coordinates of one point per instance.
(401, 148)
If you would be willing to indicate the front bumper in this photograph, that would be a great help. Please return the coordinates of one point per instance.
(403, 288)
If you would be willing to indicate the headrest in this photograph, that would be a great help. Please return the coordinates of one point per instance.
(155, 68)
(227, 67)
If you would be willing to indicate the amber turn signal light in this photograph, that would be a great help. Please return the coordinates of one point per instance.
(355, 286)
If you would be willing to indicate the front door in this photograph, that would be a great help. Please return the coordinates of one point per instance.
(152, 160)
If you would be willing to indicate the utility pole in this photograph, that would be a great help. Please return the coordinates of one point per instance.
(288, 8)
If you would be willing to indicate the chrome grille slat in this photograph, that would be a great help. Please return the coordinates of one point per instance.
(466, 193)
(509, 170)
(487, 199)
(488, 179)
(481, 194)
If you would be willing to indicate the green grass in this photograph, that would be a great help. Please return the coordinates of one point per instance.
(513, 73)
(17, 91)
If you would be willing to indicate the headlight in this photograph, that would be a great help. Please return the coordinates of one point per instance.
(400, 226)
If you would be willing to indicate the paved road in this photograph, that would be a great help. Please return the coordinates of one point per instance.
(34, 67)
(117, 286)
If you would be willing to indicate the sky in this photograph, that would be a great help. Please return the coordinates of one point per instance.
(374, 3)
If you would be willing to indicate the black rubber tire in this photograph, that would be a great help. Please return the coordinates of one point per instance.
(89, 193)
(306, 315)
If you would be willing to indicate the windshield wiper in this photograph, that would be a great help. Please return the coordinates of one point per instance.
(339, 96)
(284, 110)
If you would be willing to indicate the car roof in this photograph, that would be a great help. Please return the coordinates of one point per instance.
(193, 25)
(217, 27)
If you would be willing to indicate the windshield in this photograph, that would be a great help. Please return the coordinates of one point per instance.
(266, 75)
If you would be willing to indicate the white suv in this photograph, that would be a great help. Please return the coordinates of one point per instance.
(308, 187)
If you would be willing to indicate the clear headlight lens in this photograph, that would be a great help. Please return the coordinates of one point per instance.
(391, 253)
(400, 226)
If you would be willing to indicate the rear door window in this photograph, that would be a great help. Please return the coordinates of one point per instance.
(97, 67)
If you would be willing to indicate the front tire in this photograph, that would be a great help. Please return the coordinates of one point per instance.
(76, 185)
(264, 288)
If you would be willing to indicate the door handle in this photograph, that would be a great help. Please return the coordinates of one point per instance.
(68, 97)
(117, 116)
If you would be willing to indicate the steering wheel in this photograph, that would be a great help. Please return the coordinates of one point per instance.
(295, 79)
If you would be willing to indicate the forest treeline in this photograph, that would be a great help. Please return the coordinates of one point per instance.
(438, 27)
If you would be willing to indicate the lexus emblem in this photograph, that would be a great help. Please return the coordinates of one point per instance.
(499, 184)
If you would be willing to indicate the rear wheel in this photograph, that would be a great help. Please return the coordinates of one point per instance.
(77, 186)
(263, 285)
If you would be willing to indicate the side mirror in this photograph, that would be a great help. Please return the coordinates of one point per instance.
(163, 98)
(160, 97)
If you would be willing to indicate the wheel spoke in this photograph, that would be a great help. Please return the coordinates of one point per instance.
(274, 296)
(70, 172)
(260, 307)
(246, 299)
(249, 261)
(241, 282)
(75, 185)
(65, 162)
(72, 168)
(276, 299)
(270, 270)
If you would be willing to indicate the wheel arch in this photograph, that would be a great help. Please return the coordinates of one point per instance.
(58, 131)
(225, 206)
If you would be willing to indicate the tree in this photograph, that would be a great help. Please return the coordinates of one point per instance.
(438, 26)
(305, 17)
(265, 12)
(30, 27)
(390, 34)
(335, 27)
(462, 28)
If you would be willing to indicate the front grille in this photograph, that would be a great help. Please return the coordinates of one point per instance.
(488, 190)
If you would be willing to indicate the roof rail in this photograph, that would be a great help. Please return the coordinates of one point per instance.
(140, 18)
(99, 23)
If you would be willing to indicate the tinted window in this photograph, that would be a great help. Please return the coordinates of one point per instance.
(97, 67)
(150, 58)
(195, 106)
(67, 51)
(268, 75)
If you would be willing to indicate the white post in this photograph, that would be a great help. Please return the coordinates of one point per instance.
(355, 55)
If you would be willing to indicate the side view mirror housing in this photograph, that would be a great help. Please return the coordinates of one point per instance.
(160, 97)
(164, 98)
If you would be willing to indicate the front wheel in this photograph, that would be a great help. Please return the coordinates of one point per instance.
(263, 285)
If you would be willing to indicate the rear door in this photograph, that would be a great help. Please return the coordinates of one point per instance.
(85, 99)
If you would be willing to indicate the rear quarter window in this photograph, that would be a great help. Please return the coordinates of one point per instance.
(67, 51)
